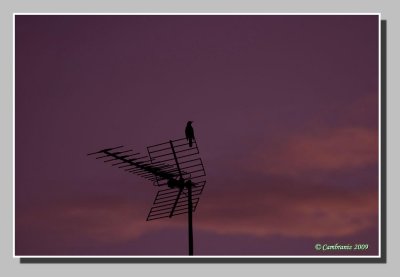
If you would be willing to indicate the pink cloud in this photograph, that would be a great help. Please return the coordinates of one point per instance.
(326, 150)
(107, 220)
(289, 209)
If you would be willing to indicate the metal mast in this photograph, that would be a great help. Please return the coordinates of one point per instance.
(173, 166)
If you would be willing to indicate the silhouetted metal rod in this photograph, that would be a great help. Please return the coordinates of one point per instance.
(190, 204)
(190, 218)
(168, 205)
(165, 143)
(180, 176)
(169, 202)
(158, 150)
(175, 202)
(186, 143)
(188, 161)
(105, 150)
(181, 151)
(143, 166)
(164, 214)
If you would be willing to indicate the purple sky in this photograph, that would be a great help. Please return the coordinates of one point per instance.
(285, 111)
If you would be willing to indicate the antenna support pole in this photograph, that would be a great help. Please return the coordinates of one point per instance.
(190, 202)
(190, 217)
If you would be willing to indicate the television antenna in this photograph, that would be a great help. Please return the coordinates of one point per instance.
(175, 167)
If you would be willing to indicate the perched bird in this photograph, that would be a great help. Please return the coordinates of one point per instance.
(189, 132)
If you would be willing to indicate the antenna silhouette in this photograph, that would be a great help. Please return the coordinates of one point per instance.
(175, 166)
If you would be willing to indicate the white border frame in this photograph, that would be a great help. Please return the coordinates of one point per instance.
(216, 257)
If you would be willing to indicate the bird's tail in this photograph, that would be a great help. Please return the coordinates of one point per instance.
(190, 142)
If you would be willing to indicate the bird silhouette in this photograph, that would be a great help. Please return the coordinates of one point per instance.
(189, 132)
